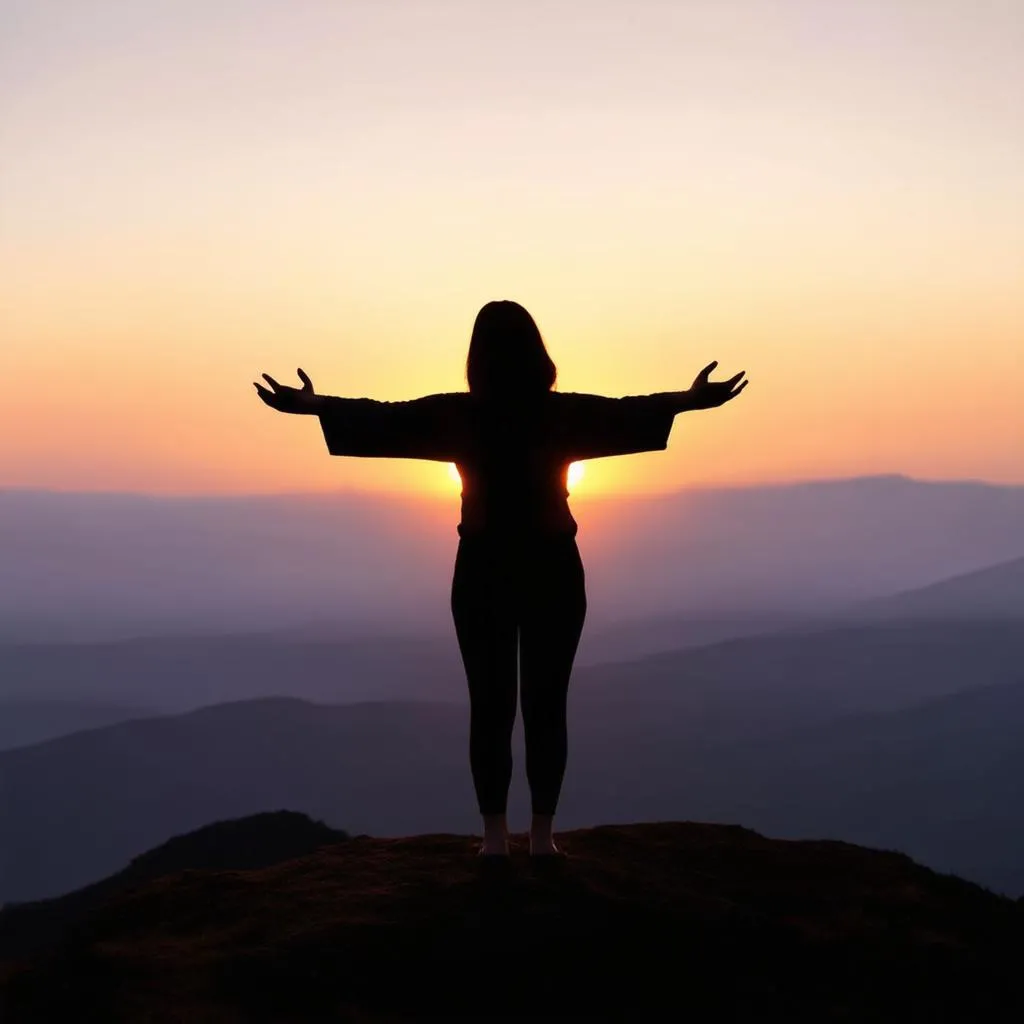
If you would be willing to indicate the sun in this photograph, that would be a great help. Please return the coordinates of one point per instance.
(573, 477)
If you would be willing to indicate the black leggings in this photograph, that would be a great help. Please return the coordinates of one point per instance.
(525, 597)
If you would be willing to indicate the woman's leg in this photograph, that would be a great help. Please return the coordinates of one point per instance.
(485, 626)
(553, 608)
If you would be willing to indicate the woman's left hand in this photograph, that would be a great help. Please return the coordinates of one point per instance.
(709, 394)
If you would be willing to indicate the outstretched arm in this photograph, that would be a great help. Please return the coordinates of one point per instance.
(302, 400)
(423, 428)
(704, 392)
(594, 427)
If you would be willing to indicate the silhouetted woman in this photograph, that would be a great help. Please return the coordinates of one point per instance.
(518, 596)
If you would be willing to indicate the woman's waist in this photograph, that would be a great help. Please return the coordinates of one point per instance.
(518, 554)
(517, 517)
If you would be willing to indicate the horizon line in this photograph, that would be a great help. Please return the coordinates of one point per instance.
(437, 498)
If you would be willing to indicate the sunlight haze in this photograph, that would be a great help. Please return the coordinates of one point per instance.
(825, 195)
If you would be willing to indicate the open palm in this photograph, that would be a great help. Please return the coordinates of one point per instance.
(709, 394)
(286, 399)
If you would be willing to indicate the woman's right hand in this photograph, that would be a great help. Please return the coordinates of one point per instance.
(302, 400)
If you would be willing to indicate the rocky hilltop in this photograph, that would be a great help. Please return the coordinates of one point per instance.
(639, 922)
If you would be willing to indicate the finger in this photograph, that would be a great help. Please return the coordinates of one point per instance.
(739, 389)
(733, 381)
(260, 389)
(270, 380)
(307, 384)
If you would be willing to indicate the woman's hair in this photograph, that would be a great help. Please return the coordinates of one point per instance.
(507, 357)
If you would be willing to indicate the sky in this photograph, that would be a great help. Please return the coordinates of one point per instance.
(828, 196)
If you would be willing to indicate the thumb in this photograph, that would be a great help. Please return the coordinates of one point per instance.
(706, 372)
(307, 384)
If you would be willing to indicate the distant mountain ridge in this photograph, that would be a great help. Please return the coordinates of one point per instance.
(92, 565)
(943, 779)
(701, 735)
(27, 719)
(114, 791)
(992, 592)
(54, 689)
(180, 674)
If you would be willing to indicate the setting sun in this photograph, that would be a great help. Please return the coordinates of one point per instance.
(573, 477)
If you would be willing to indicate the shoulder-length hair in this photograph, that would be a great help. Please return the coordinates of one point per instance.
(507, 357)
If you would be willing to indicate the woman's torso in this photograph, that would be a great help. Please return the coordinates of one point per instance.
(513, 455)
(514, 467)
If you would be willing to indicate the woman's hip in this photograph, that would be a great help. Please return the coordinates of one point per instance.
(519, 569)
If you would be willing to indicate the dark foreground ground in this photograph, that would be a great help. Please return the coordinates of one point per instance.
(645, 922)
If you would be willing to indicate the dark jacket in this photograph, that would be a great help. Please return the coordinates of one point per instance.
(512, 457)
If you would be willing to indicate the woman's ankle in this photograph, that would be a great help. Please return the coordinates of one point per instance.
(495, 839)
(542, 834)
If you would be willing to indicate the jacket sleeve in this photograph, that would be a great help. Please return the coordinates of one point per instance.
(424, 428)
(593, 426)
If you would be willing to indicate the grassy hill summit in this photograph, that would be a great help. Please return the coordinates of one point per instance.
(639, 922)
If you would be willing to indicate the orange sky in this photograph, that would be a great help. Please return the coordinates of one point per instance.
(826, 195)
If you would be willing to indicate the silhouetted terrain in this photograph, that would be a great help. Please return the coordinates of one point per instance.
(936, 776)
(239, 844)
(89, 566)
(647, 922)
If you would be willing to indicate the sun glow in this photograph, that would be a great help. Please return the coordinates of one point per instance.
(573, 476)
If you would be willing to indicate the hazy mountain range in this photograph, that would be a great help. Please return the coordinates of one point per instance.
(47, 690)
(993, 592)
(901, 735)
(941, 781)
(110, 565)
(858, 706)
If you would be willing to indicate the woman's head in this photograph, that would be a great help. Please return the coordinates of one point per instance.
(507, 357)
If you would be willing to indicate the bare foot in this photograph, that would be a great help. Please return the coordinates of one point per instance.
(496, 847)
(544, 848)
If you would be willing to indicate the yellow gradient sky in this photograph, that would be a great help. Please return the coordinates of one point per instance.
(828, 195)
